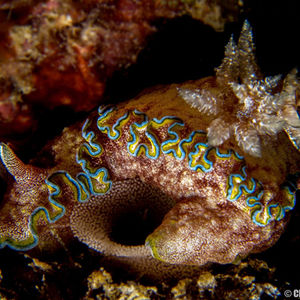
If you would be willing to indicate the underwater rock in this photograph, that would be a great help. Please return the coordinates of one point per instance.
(252, 278)
(102, 281)
(61, 53)
(238, 282)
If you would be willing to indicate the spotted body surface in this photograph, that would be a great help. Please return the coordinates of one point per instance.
(136, 146)
(210, 183)
(221, 210)
(219, 198)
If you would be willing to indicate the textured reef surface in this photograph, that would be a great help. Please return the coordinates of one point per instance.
(170, 185)
(61, 53)
(252, 278)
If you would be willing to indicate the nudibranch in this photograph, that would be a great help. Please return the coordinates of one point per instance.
(213, 192)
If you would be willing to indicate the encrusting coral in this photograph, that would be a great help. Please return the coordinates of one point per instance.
(243, 104)
(152, 156)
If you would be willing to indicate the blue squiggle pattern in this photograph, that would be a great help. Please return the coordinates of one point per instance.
(261, 214)
(197, 156)
(113, 133)
(201, 152)
(86, 182)
(33, 239)
(144, 139)
(135, 147)
(92, 147)
(241, 184)
(151, 138)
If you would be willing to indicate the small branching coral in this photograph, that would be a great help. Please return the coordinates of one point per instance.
(244, 105)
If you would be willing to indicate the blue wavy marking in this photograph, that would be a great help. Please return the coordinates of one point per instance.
(91, 190)
(139, 147)
(256, 203)
(82, 162)
(292, 138)
(49, 219)
(173, 134)
(88, 175)
(228, 154)
(143, 123)
(89, 136)
(238, 156)
(104, 110)
(175, 139)
(256, 200)
(282, 209)
(144, 116)
(241, 186)
(113, 133)
(87, 189)
(22, 248)
(53, 194)
(33, 233)
(80, 196)
(295, 142)
(199, 165)
(286, 208)
(134, 136)
(169, 118)
(223, 155)
(254, 219)
(79, 187)
(181, 143)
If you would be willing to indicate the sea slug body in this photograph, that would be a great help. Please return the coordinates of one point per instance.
(221, 197)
